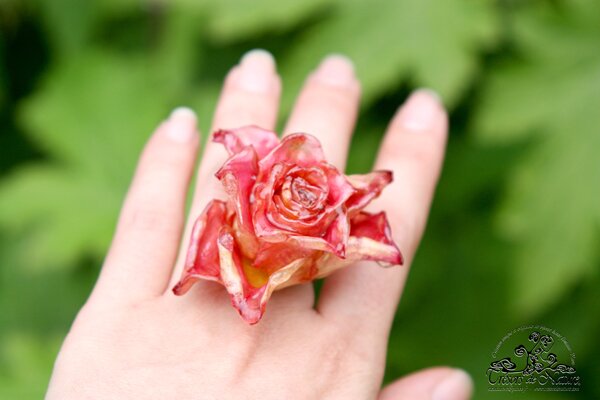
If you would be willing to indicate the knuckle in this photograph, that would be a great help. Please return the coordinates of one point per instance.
(344, 354)
(335, 347)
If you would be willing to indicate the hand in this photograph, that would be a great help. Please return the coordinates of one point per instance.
(134, 339)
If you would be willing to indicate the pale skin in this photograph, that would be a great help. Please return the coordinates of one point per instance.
(134, 339)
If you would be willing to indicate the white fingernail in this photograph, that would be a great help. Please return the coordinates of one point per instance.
(335, 70)
(181, 125)
(257, 71)
(420, 110)
(458, 385)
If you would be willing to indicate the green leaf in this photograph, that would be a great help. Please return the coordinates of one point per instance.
(92, 117)
(66, 213)
(239, 19)
(433, 43)
(96, 106)
(71, 24)
(551, 210)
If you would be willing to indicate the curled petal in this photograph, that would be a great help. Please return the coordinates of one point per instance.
(338, 233)
(341, 189)
(249, 293)
(371, 239)
(299, 149)
(235, 140)
(202, 259)
(368, 187)
(238, 176)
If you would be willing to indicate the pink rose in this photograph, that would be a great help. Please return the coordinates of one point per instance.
(291, 218)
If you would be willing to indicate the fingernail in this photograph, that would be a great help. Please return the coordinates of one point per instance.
(335, 70)
(420, 110)
(458, 385)
(257, 69)
(181, 126)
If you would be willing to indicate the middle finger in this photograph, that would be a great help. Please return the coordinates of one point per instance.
(250, 96)
(327, 108)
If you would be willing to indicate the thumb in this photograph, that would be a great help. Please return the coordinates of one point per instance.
(440, 383)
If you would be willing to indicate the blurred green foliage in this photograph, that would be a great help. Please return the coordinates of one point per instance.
(514, 232)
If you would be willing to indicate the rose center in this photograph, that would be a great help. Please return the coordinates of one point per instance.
(304, 193)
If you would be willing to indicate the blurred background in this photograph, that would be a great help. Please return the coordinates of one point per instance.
(513, 237)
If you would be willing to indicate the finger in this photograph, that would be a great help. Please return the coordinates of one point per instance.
(250, 96)
(440, 383)
(413, 149)
(145, 245)
(327, 107)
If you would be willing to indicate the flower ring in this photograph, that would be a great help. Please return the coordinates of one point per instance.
(290, 218)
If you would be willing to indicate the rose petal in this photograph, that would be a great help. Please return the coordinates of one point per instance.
(333, 241)
(277, 222)
(263, 193)
(299, 149)
(244, 297)
(238, 176)
(202, 260)
(284, 277)
(248, 299)
(329, 263)
(338, 233)
(272, 229)
(273, 256)
(341, 189)
(235, 140)
(371, 239)
(368, 187)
